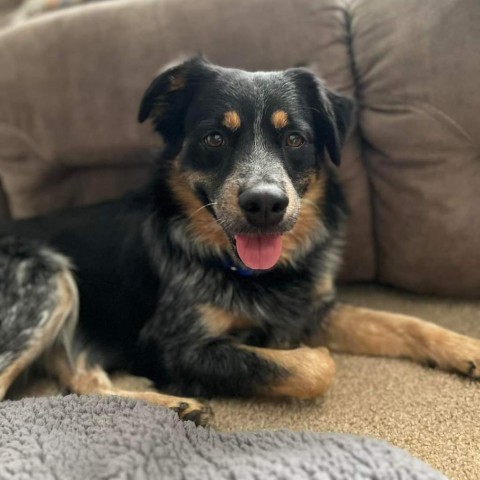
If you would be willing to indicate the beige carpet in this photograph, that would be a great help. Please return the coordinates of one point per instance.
(433, 415)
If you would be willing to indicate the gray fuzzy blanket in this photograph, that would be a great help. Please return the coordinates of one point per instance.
(89, 438)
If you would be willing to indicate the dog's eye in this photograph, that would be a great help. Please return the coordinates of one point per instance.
(214, 140)
(294, 140)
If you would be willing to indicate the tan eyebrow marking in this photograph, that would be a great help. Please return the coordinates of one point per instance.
(231, 120)
(279, 119)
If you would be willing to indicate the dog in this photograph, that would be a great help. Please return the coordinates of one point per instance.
(218, 277)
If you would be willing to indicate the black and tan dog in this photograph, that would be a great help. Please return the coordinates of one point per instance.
(218, 277)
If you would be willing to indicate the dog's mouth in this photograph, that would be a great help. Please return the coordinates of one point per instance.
(250, 246)
(259, 252)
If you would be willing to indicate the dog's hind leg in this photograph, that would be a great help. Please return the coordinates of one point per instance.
(85, 378)
(38, 305)
(38, 318)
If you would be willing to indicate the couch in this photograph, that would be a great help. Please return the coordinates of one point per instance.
(70, 85)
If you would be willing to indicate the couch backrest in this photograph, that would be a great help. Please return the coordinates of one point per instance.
(71, 82)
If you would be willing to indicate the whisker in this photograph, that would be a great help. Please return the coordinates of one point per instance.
(204, 206)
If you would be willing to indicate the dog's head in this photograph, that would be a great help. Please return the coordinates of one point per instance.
(249, 165)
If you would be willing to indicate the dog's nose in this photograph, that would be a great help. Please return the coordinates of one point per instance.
(264, 205)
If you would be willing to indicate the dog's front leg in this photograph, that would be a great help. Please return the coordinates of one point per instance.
(363, 331)
(202, 360)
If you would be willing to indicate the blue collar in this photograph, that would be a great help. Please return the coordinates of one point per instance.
(243, 272)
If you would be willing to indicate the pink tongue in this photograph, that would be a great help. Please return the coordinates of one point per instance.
(259, 252)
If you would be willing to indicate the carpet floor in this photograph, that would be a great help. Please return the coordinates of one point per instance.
(431, 414)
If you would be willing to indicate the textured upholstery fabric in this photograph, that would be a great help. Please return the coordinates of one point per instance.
(7, 7)
(73, 80)
(419, 116)
(4, 212)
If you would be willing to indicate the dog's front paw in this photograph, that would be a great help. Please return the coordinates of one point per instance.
(460, 354)
(194, 411)
(467, 359)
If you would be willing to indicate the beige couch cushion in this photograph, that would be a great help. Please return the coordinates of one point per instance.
(418, 70)
(4, 212)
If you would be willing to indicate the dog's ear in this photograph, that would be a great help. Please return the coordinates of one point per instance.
(167, 98)
(331, 112)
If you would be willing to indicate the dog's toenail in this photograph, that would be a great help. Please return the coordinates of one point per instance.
(193, 416)
(472, 367)
(431, 363)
